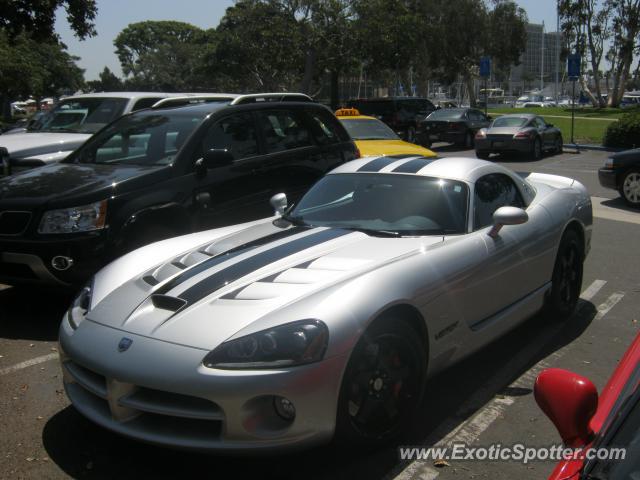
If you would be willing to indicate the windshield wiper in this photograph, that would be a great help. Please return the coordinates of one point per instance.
(372, 232)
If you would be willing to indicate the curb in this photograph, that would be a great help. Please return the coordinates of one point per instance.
(600, 148)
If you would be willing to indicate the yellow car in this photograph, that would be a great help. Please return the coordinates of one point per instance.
(374, 138)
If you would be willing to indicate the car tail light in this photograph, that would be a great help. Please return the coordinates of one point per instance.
(480, 134)
(524, 135)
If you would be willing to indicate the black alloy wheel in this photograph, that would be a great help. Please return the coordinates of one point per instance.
(567, 277)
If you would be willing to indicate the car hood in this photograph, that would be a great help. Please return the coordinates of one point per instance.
(60, 181)
(371, 148)
(206, 295)
(34, 144)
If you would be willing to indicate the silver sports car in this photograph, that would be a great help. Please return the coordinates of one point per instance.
(326, 319)
(518, 133)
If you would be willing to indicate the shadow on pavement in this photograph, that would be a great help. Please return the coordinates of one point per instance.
(84, 450)
(620, 204)
(30, 313)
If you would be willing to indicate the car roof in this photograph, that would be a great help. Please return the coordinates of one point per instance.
(519, 115)
(454, 168)
(356, 117)
(213, 106)
(124, 95)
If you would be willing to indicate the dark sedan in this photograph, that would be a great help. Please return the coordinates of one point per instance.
(621, 172)
(452, 125)
(518, 133)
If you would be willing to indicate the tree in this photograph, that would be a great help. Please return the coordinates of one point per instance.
(260, 47)
(37, 17)
(35, 68)
(164, 55)
(625, 34)
(107, 82)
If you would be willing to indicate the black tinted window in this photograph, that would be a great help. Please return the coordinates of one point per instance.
(236, 133)
(325, 128)
(283, 130)
(492, 192)
(145, 103)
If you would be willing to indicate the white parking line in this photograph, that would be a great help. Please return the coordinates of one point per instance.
(454, 431)
(610, 213)
(28, 363)
(609, 303)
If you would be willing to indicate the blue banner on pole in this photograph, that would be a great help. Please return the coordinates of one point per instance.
(485, 66)
(573, 66)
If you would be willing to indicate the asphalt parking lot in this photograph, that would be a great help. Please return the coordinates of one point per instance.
(485, 399)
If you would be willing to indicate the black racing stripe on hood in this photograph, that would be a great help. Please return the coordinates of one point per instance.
(413, 166)
(223, 257)
(377, 164)
(245, 267)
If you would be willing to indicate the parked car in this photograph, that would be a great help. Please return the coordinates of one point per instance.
(70, 123)
(158, 173)
(518, 133)
(521, 101)
(402, 114)
(621, 172)
(374, 138)
(326, 319)
(452, 125)
(588, 422)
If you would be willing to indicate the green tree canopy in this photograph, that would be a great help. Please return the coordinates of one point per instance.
(37, 17)
(107, 82)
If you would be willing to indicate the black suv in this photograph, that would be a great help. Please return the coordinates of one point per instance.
(162, 172)
(402, 114)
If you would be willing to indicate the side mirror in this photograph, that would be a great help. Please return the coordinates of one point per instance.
(279, 203)
(570, 401)
(507, 216)
(217, 157)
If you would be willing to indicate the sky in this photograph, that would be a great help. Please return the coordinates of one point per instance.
(114, 15)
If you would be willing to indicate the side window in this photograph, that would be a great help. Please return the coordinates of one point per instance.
(145, 103)
(283, 130)
(539, 123)
(325, 129)
(476, 116)
(492, 192)
(236, 133)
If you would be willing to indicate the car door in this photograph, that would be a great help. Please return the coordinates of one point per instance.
(292, 160)
(546, 132)
(513, 268)
(334, 142)
(231, 192)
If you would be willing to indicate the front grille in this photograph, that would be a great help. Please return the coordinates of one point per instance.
(14, 223)
(154, 411)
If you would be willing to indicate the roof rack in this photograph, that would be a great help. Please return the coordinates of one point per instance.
(192, 99)
(271, 97)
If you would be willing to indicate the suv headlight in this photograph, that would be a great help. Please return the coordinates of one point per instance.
(608, 163)
(80, 306)
(75, 219)
(295, 343)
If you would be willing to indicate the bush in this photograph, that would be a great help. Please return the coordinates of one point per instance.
(625, 133)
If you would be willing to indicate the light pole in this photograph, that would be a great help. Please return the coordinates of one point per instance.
(555, 88)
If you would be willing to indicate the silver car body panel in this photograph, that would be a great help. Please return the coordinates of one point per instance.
(468, 289)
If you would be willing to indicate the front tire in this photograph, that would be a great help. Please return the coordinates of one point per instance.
(630, 188)
(559, 145)
(382, 385)
(566, 281)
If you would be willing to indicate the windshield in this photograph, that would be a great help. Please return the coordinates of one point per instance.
(510, 122)
(406, 204)
(144, 138)
(446, 114)
(368, 129)
(82, 115)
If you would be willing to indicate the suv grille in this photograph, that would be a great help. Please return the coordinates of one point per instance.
(14, 223)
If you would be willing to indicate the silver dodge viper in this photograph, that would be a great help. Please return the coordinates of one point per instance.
(326, 320)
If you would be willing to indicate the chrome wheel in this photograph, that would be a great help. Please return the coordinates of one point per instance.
(631, 188)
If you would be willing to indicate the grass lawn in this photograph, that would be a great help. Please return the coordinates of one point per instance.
(590, 123)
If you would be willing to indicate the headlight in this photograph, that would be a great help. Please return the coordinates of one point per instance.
(80, 306)
(295, 343)
(75, 219)
(608, 163)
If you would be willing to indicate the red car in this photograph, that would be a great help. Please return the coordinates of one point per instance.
(585, 421)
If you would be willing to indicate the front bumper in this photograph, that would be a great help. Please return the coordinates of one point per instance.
(28, 261)
(160, 393)
(607, 178)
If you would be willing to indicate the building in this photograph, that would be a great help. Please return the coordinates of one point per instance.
(540, 55)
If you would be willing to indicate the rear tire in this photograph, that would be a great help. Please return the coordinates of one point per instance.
(468, 140)
(382, 385)
(630, 188)
(559, 145)
(566, 281)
